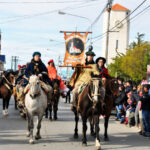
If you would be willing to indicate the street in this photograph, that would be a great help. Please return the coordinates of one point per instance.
(58, 135)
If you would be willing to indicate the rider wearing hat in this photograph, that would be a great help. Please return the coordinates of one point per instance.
(100, 61)
(37, 67)
(82, 76)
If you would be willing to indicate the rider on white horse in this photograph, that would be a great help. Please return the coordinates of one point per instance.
(37, 67)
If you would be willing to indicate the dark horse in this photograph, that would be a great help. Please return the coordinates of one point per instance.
(89, 106)
(6, 89)
(111, 91)
(53, 104)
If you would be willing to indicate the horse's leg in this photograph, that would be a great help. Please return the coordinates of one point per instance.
(50, 110)
(15, 102)
(84, 129)
(69, 98)
(92, 127)
(76, 124)
(55, 110)
(106, 127)
(4, 103)
(31, 141)
(28, 124)
(46, 112)
(7, 105)
(97, 129)
(38, 136)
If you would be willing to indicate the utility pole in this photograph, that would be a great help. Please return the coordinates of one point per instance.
(14, 62)
(109, 6)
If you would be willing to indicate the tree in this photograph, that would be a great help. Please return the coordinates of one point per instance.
(132, 65)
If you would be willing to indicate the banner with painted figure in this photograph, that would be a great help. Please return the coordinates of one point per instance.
(75, 48)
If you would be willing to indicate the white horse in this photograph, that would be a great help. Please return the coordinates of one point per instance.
(36, 104)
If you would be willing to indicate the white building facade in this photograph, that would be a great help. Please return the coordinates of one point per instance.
(119, 36)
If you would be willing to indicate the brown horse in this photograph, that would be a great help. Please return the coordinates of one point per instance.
(6, 89)
(89, 106)
(53, 105)
(111, 92)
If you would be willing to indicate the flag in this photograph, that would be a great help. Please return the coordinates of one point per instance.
(75, 48)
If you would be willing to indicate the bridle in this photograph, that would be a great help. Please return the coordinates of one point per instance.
(92, 93)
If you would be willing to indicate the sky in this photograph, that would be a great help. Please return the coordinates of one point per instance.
(28, 27)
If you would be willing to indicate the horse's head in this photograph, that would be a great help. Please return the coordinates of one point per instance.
(112, 86)
(34, 86)
(10, 77)
(95, 85)
(56, 84)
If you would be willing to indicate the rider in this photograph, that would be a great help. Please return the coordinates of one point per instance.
(100, 61)
(52, 73)
(82, 76)
(37, 67)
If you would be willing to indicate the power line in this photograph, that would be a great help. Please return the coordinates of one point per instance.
(46, 2)
(40, 14)
(121, 20)
(126, 22)
(98, 17)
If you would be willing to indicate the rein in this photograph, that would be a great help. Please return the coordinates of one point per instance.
(8, 85)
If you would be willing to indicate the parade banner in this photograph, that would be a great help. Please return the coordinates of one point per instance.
(75, 48)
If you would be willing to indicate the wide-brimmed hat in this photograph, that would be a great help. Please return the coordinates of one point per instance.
(102, 58)
(90, 52)
(36, 53)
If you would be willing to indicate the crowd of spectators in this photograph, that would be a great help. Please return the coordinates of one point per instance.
(133, 105)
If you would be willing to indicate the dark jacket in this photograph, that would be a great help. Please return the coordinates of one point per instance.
(128, 89)
(104, 72)
(121, 99)
(36, 68)
(89, 62)
(145, 99)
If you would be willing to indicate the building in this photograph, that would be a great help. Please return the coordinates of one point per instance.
(119, 36)
(2, 57)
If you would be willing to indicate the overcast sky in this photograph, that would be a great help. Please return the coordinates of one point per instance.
(29, 27)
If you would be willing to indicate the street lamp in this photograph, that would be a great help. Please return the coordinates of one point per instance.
(64, 13)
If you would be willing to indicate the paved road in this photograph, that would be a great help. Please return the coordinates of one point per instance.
(58, 135)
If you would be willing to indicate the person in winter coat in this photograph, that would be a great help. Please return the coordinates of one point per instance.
(52, 73)
(145, 106)
(119, 102)
(36, 67)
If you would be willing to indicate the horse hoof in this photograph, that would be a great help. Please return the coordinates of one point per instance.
(31, 141)
(98, 148)
(50, 119)
(37, 137)
(75, 136)
(55, 118)
(106, 139)
(93, 134)
(27, 134)
(84, 144)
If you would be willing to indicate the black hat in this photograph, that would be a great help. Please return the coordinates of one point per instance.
(90, 52)
(104, 60)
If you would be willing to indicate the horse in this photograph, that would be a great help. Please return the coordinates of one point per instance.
(53, 104)
(6, 88)
(112, 90)
(89, 107)
(36, 104)
(19, 98)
